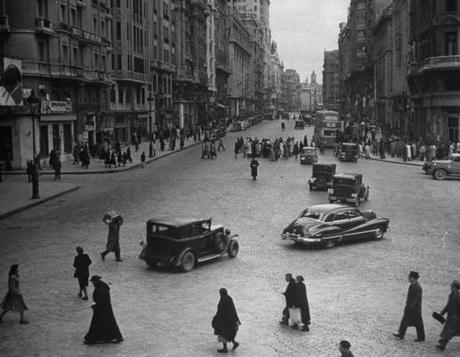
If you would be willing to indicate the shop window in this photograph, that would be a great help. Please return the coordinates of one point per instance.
(452, 124)
(44, 145)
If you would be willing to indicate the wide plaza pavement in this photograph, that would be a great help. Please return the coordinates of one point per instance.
(356, 291)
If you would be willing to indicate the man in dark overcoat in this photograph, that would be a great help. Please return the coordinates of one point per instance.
(289, 295)
(413, 310)
(113, 239)
(104, 327)
(452, 324)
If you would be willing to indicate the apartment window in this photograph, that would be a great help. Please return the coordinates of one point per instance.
(43, 50)
(450, 43)
(118, 3)
(65, 53)
(96, 60)
(79, 17)
(120, 96)
(112, 95)
(128, 32)
(129, 63)
(119, 62)
(75, 56)
(94, 25)
(73, 16)
(63, 13)
(104, 63)
(113, 61)
(118, 31)
(451, 5)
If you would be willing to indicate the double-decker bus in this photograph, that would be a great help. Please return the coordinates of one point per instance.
(327, 123)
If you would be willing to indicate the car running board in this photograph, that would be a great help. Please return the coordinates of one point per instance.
(208, 257)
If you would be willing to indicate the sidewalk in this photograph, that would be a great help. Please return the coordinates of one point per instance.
(16, 196)
(97, 166)
(397, 160)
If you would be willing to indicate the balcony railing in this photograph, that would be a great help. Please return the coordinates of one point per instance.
(4, 23)
(43, 25)
(440, 62)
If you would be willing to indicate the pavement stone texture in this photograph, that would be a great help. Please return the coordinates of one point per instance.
(356, 291)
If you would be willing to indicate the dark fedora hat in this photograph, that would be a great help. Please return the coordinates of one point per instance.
(414, 274)
(95, 278)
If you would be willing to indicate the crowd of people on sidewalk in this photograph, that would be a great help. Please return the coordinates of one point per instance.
(371, 140)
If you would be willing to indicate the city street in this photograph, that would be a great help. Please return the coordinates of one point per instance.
(356, 291)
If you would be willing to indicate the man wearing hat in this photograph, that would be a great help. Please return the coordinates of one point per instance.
(413, 310)
(452, 325)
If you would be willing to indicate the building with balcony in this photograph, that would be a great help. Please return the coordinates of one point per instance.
(191, 94)
(332, 84)
(292, 81)
(434, 76)
(63, 49)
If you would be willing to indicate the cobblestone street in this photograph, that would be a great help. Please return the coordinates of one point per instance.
(356, 291)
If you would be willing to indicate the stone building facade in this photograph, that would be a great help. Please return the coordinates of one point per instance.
(332, 84)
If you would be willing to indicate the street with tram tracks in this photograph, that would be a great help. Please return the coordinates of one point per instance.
(356, 291)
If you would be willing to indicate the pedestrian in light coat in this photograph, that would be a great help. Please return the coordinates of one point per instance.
(413, 310)
(452, 324)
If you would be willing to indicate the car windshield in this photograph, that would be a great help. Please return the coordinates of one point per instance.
(344, 181)
(308, 151)
(312, 214)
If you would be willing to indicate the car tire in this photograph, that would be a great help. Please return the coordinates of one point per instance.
(188, 261)
(233, 249)
(379, 234)
(331, 201)
(440, 174)
(330, 243)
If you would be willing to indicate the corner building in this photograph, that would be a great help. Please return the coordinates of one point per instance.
(63, 50)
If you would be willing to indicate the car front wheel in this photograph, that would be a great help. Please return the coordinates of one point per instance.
(440, 174)
(233, 249)
(188, 261)
(379, 234)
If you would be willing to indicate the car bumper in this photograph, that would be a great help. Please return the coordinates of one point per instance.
(300, 239)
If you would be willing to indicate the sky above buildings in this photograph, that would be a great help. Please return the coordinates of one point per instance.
(304, 29)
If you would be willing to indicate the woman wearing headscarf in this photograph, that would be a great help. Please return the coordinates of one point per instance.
(301, 301)
(226, 321)
(13, 300)
(103, 326)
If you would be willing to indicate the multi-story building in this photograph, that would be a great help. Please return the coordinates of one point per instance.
(311, 94)
(128, 116)
(292, 90)
(277, 100)
(434, 76)
(63, 49)
(240, 65)
(191, 80)
(332, 84)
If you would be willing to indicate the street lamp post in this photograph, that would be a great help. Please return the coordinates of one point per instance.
(150, 99)
(34, 103)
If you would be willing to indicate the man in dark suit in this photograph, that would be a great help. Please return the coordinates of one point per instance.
(289, 295)
(413, 310)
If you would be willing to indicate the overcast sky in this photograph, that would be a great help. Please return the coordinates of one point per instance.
(303, 29)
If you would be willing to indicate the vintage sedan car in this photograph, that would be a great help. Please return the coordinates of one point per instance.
(299, 124)
(441, 169)
(348, 188)
(329, 224)
(183, 242)
(308, 155)
(321, 178)
(348, 152)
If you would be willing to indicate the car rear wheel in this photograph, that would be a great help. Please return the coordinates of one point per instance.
(330, 243)
(379, 234)
(188, 261)
(440, 174)
(233, 249)
(152, 264)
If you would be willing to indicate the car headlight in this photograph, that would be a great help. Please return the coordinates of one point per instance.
(353, 195)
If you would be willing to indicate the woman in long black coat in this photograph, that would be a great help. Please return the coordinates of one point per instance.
(301, 301)
(226, 321)
(103, 326)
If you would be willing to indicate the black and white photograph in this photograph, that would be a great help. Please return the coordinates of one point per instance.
(254, 178)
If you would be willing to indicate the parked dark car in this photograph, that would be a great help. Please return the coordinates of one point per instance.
(321, 178)
(183, 242)
(348, 188)
(348, 152)
(330, 224)
(299, 124)
(308, 155)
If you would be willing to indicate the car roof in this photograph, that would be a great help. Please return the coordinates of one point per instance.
(323, 165)
(348, 175)
(327, 207)
(176, 221)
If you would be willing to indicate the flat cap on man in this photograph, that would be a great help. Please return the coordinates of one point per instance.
(414, 274)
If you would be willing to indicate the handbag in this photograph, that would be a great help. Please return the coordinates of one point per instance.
(294, 316)
(437, 316)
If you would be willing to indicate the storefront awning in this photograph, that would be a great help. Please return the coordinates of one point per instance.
(58, 118)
